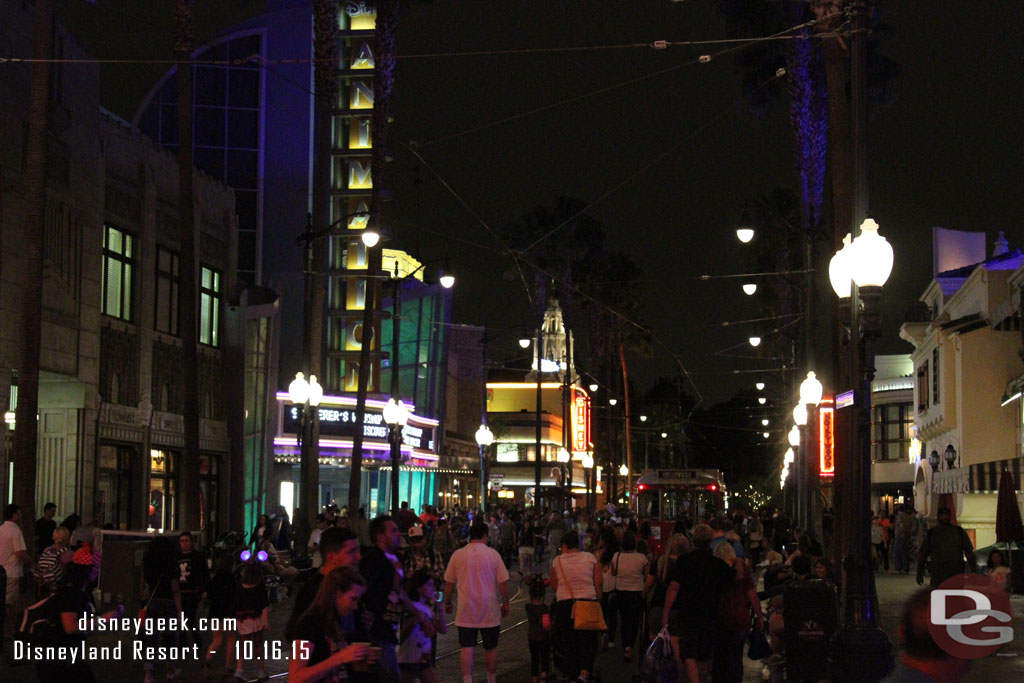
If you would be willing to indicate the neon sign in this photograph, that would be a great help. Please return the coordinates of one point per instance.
(826, 439)
(580, 421)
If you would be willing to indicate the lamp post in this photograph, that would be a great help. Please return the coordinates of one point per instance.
(399, 412)
(796, 499)
(950, 454)
(861, 643)
(810, 399)
(624, 473)
(564, 464)
(306, 397)
(588, 468)
(484, 439)
(396, 415)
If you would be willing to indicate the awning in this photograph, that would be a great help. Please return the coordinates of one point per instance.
(1014, 388)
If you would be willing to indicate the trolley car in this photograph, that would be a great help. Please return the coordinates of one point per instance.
(664, 497)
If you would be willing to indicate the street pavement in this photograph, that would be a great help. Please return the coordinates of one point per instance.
(514, 660)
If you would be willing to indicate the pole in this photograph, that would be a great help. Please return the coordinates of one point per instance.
(396, 436)
(536, 453)
(862, 651)
(483, 421)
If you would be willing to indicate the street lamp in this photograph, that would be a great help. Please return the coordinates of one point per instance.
(588, 468)
(612, 401)
(754, 341)
(744, 234)
(306, 396)
(810, 398)
(749, 288)
(643, 418)
(524, 343)
(759, 386)
(868, 259)
(396, 415)
(593, 388)
(933, 460)
(484, 439)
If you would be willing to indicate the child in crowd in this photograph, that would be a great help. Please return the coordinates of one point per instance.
(539, 634)
(250, 607)
(415, 649)
(997, 570)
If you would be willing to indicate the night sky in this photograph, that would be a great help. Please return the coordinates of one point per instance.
(947, 151)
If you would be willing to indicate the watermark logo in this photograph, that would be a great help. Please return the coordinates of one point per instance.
(970, 616)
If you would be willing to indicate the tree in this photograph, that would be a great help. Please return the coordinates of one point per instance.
(26, 435)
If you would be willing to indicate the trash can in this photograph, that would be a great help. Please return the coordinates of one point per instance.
(811, 614)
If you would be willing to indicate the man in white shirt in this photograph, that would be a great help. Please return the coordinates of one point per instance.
(13, 556)
(480, 575)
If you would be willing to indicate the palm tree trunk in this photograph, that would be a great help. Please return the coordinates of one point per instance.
(26, 435)
(188, 476)
(325, 25)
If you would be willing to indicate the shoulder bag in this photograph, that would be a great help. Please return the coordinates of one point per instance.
(586, 614)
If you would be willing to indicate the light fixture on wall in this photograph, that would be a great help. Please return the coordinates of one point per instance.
(950, 457)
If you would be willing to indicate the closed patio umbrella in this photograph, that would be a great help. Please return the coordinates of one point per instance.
(1008, 522)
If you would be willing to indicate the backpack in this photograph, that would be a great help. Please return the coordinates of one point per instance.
(39, 623)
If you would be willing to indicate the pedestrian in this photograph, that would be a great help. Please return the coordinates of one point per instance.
(405, 519)
(313, 545)
(506, 539)
(922, 659)
(480, 576)
(735, 604)
(221, 590)
(251, 614)
(278, 566)
(320, 650)
(905, 527)
(339, 548)
(419, 557)
(996, 569)
(72, 522)
(696, 581)
(282, 536)
(575, 576)
(755, 539)
(414, 654)
(605, 551)
(538, 618)
(384, 598)
(442, 541)
(631, 580)
(161, 593)
(45, 526)
(14, 558)
(878, 543)
(49, 569)
(193, 578)
(947, 545)
(262, 524)
(72, 603)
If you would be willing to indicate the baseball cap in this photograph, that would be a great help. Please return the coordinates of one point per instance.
(415, 531)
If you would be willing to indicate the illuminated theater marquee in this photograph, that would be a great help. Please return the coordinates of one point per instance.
(580, 422)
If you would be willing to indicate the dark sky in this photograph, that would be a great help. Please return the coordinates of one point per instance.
(947, 152)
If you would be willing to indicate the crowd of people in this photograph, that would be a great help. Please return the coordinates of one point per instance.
(377, 592)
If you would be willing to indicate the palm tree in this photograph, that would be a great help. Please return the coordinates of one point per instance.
(188, 497)
(26, 435)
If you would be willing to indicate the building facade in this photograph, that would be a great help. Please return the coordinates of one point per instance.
(893, 450)
(963, 358)
(111, 396)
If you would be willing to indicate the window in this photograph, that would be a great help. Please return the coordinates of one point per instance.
(935, 376)
(167, 281)
(890, 432)
(118, 261)
(922, 388)
(209, 307)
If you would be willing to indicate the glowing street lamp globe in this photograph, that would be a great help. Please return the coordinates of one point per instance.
(749, 288)
(484, 436)
(839, 270)
(800, 415)
(794, 436)
(623, 470)
(871, 258)
(563, 455)
(810, 390)
(745, 234)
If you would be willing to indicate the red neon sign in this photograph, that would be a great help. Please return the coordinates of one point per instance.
(580, 421)
(826, 439)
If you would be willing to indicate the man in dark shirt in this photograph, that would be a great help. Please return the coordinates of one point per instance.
(339, 548)
(947, 544)
(691, 603)
(193, 577)
(45, 526)
(383, 598)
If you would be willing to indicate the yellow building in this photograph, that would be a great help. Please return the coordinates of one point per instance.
(962, 360)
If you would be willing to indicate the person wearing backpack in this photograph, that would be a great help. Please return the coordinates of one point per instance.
(64, 610)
